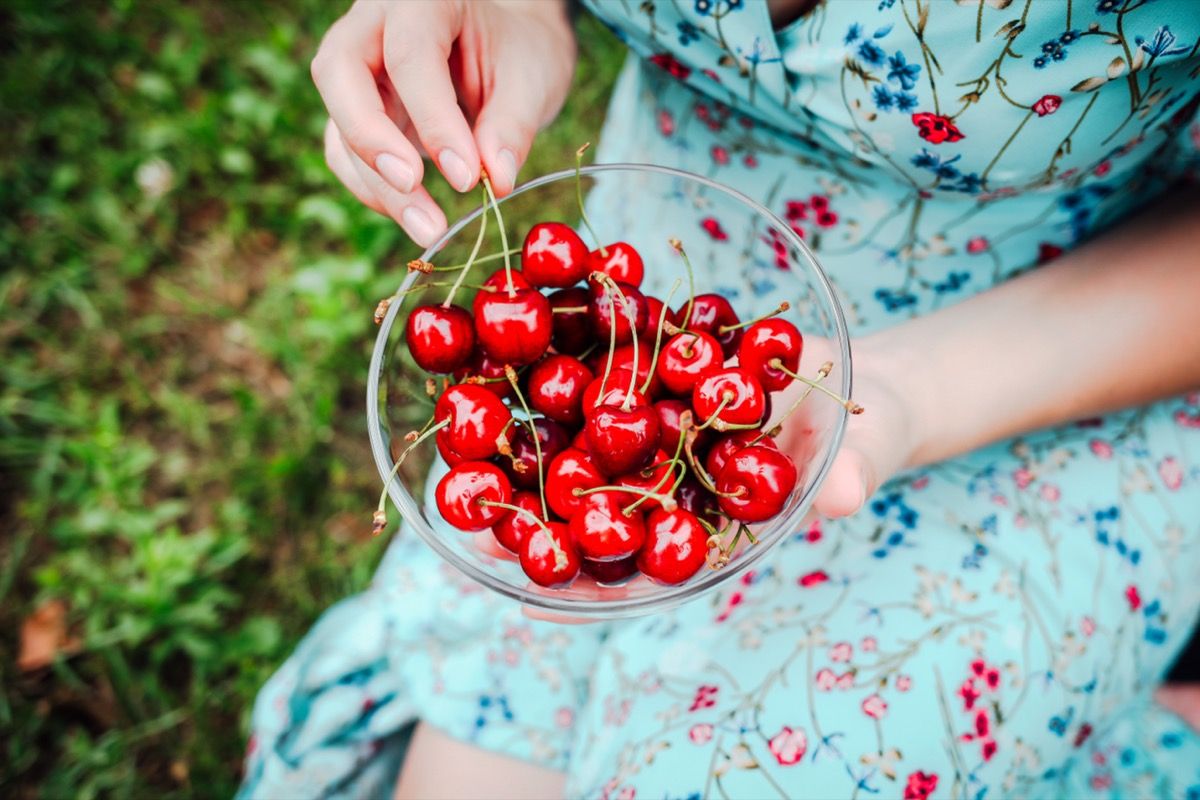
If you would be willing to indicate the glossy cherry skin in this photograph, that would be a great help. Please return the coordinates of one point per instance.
(654, 308)
(610, 573)
(572, 329)
(448, 453)
(623, 360)
(731, 443)
(685, 359)
(440, 339)
(709, 313)
(498, 281)
(676, 546)
(540, 560)
(482, 366)
(615, 391)
(603, 532)
(658, 479)
(514, 329)
(551, 436)
(669, 411)
(693, 497)
(460, 491)
(553, 255)
(477, 418)
(570, 470)
(622, 263)
(513, 528)
(556, 386)
(765, 341)
(755, 483)
(747, 402)
(621, 440)
(623, 306)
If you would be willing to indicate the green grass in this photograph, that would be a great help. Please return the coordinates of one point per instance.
(185, 320)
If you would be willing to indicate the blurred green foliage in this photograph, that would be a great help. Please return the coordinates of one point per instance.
(185, 305)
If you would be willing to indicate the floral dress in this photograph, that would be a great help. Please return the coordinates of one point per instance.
(990, 626)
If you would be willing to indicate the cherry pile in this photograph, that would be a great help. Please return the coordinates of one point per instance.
(594, 428)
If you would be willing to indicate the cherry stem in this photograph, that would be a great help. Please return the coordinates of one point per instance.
(612, 335)
(687, 263)
(579, 197)
(782, 307)
(379, 520)
(775, 429)
(569, 309)
(662, 318)
(560, 558)
(688, 432)
(487, 187)
(666, 501)
(849, 405)
(511, 374)
(470, 259)
(670, 471)
(481, 260)
(726, 398)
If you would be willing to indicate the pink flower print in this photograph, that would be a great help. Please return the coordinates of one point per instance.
(1023, 477)
(1000, 500)
(617, 714)
(735, 600)
(968, 693)
(511, 657)
(711, 74)
(1134, 597)
(1100, 448)
(1101, 781)
(1050, 492)
(920, 483)
(841, 652)
(825, 679)
(991, 679)
(627, 793)
(874, 707)
(983, 723)
(978, 667)
(1021, 521)
(564, 717)
(666, 123)
(813, 534)
(750, 161)
(788, 746)
(720, 155)
(920, 785)
(796, 211)
(1186, 420)
(977, 244)
(1047, 105)
(846, 680)
(1103, 168)
(701, 734)
(813, 579)
(988, 749)
(706, 697)
(713, 228)
(868, 644)
(1087, 625)
(903, 683)
(819, 202)
(1171, 473)
(1085, 730)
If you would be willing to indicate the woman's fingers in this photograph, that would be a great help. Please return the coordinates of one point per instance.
(337, 156)
(416, 54)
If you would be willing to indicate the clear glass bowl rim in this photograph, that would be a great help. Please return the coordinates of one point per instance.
(668, 596)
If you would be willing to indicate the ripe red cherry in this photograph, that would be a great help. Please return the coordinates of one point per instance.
(731, 443)
(570, 470)
(477, 418)
(440, 338)
(693, 497)
(490, 371)
(676, 546)
(556, 386)
(553, 440)
(610, 573)
(623, 360)
(765, 341)
(654, 308)
(615, 390)
(448, 453)
(463, 491)
(709, 313)
(513, 528)
(745, 399)
(669, 411)
(623, 306)
(514, 329)
(686, 358)
(545, 565)
(553, 255)
(755, 483)
(572, 329)
(498, 281)
(622, 263)
(658, 479)
(605, 533)
(621, 440)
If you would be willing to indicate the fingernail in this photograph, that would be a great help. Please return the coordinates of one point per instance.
(455, 170)
(419, 226)
(508, 165)
(396, 172)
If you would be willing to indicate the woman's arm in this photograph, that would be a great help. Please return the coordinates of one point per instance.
(1113, 324)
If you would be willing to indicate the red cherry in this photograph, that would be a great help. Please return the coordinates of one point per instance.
(481, 366)
(765, 341)
(553, 255)
(687, 358)
(669, 411)
(755, 483)
(621, 264)
(448, 453)
(553, 439)
(462, 492)
(570, 470)
(440, 339)
(731, 443)
(745, 399)
(623, 360)
(631, 311)
(579, 441)
(621, 440)
(544, 564)
(514, 329)
(658, 479)
(615, 391)
(610, 573)
(654, 308)
(498, 281)
(572, 329)
(602, 531)
(477, 418)
(513, 528)
(709, 313)
(676, 546)
(693, 497)
(556, 386)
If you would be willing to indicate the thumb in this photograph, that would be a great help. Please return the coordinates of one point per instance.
(851, 480)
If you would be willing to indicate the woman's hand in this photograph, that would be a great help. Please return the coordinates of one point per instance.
(468, 82)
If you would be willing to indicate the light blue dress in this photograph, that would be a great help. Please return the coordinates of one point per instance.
(991, 626)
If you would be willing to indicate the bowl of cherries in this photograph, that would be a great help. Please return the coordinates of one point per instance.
(605, 416)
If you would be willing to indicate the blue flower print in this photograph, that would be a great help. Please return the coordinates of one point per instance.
(704, 7)
(853, 34)
(688, 33)
(905, 101)
(871, 53)
(900, 70)
(1160, 43)
(884, 100)
(1107, 6)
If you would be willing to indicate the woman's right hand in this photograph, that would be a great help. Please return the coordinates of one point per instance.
(468, 82)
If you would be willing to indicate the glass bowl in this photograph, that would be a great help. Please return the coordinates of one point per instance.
(738, 248)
